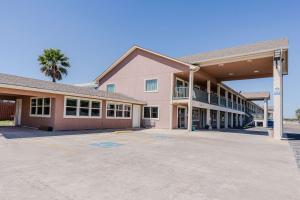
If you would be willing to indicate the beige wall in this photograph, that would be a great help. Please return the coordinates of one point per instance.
(129, 77)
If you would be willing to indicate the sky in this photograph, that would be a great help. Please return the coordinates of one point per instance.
(93, 34)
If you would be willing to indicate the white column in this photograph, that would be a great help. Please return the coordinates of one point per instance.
(241, 120)
(18, 112)
(231, 101)
(171, 103)
(208, 118)
(277, 99)
(226, 119)
(226, 97)
(231, 121)
(190, 104)
(218, 93)
(265, 123)
(218, 119)
(236, 120)
(237, 101)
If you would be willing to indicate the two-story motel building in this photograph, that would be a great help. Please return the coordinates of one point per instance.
(147, 89)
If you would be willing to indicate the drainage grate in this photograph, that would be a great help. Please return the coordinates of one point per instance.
(106, 144)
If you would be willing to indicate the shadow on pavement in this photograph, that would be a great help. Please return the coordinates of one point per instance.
(250, 131)
(21, 132)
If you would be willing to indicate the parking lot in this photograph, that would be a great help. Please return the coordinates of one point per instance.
(145, 164)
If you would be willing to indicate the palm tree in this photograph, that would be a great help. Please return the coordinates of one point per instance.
(298, 113)
(54, 64)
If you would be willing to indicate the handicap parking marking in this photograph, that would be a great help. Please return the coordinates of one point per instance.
(107, 144)
(162, 137)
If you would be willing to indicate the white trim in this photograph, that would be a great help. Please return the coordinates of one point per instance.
(65, 93)
(78, 108)
(115, 109)
(158, 112)
(149, 79)
(43, 106)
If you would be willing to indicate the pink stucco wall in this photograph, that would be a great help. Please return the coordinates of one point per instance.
(130, 75)
(56, 119)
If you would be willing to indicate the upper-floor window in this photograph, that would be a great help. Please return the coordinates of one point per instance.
(151, 85)
(40, 107)
(110, 87)
(75, 107)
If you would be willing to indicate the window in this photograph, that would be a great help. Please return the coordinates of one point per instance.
(151, 85)
(110, 88)
(118, 110)
(71, 107)
(151, 112)
(75, 107)
(40, 107)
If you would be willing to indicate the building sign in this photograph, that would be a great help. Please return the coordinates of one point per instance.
(276, 91)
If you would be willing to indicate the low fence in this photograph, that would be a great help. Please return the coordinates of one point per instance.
(7, 110)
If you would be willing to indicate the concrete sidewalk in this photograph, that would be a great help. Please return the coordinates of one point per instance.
(147, 164)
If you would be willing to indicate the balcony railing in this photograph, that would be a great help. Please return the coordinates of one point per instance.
(234, 106)
(222, 101)
(214, 99)
(229, 104)
(181, 93)
(200, 95)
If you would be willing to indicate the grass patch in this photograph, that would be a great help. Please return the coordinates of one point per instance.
(6, 123)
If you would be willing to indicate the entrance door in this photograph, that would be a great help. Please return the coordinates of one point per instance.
(181, 117)
(136, 116)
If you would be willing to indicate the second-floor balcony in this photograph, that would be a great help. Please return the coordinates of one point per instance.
(198, 94)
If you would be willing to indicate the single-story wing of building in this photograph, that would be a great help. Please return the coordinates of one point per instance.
(56, 106)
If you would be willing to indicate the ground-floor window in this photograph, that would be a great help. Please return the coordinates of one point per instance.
(40, 107)
(118, 110)
(151, 112)
(75, 107)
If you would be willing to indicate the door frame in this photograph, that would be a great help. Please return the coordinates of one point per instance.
(139, 107)
(185, 117)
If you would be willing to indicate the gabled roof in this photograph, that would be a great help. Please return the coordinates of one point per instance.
(258, 47)
(18, 82)
(132, 49)
(256, 95)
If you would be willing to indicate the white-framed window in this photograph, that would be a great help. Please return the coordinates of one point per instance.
(111, 87)
(151, 85)
(151, 112)
(118, 110)
(82, 108)
(40, 107)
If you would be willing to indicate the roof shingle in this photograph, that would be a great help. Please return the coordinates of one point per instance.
(236, 51)
(13, 80)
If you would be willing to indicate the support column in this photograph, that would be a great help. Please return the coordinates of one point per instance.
(208, 117)
(277, 97)
(18, 112)
(226, 97)
(226, 119)
(190, 104)
(241, 120)
(219, 93)
(218, 119)
(231, 101)
(171, 103)
(231, 121)
(236, 120)
(265, 123)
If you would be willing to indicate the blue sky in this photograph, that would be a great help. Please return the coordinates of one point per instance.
(95, 33)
